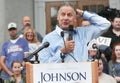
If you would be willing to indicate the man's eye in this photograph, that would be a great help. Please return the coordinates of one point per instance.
(14, 67)
(62, 14)
(70, 15)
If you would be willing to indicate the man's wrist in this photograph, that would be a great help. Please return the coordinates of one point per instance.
(63, 50)
(82, 12)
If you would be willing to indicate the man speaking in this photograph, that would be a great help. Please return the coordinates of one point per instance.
(72, 48)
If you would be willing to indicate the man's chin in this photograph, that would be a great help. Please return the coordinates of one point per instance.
(65, 27)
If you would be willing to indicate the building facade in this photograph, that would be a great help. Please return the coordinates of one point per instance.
(42, 12)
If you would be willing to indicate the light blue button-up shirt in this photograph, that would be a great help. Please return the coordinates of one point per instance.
(81, 36)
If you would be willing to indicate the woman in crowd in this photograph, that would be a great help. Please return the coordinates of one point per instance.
(18, 77)
(114, 64)
(31, 37)
(103, 77)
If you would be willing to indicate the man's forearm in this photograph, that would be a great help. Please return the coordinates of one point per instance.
(4, 67)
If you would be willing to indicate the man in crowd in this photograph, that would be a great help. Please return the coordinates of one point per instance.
(26, 21)
(114, 31)
(74, 46)
(14, 49)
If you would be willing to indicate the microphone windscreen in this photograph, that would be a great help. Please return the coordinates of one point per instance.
(62, 33)
(70, 27)
(46, 44)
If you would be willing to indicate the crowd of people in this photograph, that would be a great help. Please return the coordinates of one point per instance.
(70, 45)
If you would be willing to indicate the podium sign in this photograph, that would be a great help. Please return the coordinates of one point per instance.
(81, 72)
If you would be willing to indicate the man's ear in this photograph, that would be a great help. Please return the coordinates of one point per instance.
(75, 20)
(57, 17)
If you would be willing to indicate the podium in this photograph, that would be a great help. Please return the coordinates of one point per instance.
(77, 72)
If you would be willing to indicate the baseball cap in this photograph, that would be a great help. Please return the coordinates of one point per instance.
(12, 25)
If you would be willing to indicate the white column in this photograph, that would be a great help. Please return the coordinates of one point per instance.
(40, 18)
(2, 22)
(114, 4)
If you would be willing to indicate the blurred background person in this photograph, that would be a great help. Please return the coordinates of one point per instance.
(15, 48)
(18, 76)
(92, 50)
(31, 37)
(102, 77)
(114, 30)
(114, 64)
(26, 21)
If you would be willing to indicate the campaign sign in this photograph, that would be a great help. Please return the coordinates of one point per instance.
(104, 41)
(62, 73)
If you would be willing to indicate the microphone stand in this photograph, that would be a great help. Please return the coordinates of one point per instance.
(36, 59)
(62, 57)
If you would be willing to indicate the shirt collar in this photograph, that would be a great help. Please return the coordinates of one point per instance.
(59, 30)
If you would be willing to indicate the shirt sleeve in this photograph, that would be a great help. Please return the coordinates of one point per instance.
(98, 25)
(45, 56)
(3, 51)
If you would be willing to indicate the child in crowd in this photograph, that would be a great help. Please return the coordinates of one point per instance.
(18, 77)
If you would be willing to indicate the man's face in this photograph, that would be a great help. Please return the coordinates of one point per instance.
(66, 17)
(13, 33)
(26, 21)
(116, 24)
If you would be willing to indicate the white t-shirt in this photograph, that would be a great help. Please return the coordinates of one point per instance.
(104, 78)
(32, 48)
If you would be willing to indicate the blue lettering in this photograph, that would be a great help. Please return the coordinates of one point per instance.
(46, 77)
(75, 76)
(61, 76)
(54, 77)
(66, 77)
(83, 75)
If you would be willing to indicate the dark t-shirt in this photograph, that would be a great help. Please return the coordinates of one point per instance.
(113, 36)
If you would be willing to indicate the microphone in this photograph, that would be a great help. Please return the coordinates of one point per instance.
(62, 34)
(45, 45)
(70, 29)
(63, 56)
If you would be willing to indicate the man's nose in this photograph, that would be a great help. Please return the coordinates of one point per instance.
(66, 16)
